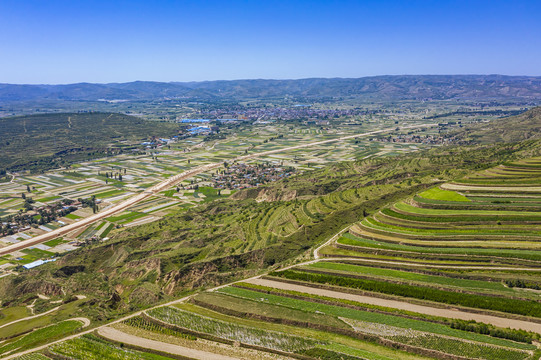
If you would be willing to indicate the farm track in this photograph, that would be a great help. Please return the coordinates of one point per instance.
(440, 309)
(117, 335)
(404, 305)
(30, 317)
(166, 184)
(504, 322)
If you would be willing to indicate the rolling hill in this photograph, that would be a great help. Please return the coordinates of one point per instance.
(49, 140)
(511, 129)
(413, 87)
(231, 238)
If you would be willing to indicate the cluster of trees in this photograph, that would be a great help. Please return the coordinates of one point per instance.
(281, 136)
(215, 136)
(90, 202)
(115, 175)
(6, 228)
(486, 329)
(59, 209)
(28, 203)
(522, 284)
(11, 224)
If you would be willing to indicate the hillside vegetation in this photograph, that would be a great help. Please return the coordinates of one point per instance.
(45, 141)
(421, 269)
(234, 238)
(448, 273)
(441, 262)
(511, 129)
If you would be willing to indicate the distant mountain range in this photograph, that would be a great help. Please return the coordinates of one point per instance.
(400, 87)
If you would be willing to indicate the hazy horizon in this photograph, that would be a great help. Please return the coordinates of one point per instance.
(264, 79)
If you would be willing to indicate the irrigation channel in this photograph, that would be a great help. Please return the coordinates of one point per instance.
(168, 183)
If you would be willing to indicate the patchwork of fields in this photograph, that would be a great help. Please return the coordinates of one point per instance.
(450, 273)
(109, 182)
(114, 179)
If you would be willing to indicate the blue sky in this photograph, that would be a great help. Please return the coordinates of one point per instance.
(50, 41)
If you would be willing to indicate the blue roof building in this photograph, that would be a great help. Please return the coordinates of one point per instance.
(37, 263)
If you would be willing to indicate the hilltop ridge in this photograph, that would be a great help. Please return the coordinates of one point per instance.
(525, 126)
(388, 87)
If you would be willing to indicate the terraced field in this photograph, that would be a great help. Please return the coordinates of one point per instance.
(445, 274)
(112, 180)
(450, 273)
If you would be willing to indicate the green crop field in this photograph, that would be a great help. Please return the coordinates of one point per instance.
(374, 272)
(230, 331)
(488, 280)
(446, 195)
(93, 348)
(40, 336)
(438, 257)
(32, 356)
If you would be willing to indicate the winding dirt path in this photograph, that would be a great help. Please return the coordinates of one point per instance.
(30, 317)
(85, 321)
(168, 183)
(332, 239)
(403, 305)
(117, 335)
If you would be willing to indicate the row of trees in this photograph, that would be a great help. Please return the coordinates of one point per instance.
(508, 305)
(486, 329)
(114, 175)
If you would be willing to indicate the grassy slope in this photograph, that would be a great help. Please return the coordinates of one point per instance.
(48, 140)
(231, 238)
(515, 128)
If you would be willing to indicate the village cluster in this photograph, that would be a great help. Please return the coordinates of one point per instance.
(242, 175)
(295, 112)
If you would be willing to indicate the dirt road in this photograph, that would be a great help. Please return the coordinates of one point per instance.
(117, 335)
(108, 212)
(334, 238)
(29, 317)
(85, 321)
(403, 305)
(165, 185)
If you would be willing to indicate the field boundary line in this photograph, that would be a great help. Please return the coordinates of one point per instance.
(170, 182)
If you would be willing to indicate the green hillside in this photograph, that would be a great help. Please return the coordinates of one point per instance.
(38, 142)
(516, 128)
(438, 258)
(448, 273)
(232, 238)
